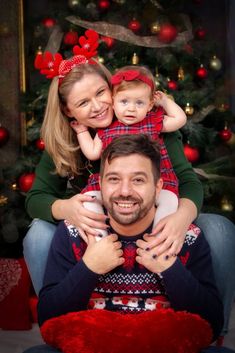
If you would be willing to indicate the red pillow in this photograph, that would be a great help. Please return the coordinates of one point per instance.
(102, 331)
(14, 295)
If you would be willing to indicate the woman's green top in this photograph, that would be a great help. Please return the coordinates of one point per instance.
(49, 186)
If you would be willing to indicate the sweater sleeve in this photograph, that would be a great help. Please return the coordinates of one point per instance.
(190, 186)
(47, 187)
(196, 289)
(68, 283)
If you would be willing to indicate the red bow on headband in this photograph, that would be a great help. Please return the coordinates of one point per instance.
(52, 66)
(131, 75)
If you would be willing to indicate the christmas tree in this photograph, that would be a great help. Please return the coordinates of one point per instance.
(188, 64)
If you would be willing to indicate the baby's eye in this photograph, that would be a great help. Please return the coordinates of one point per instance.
(140, 103)
(124, 101)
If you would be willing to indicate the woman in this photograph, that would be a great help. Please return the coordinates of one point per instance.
(83, 93)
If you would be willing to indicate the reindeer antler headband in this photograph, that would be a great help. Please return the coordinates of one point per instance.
(54, 65)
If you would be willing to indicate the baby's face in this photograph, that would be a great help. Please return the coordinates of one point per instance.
(132, 105)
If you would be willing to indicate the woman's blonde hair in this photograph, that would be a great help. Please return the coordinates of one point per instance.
(124, 85)
(59, 138)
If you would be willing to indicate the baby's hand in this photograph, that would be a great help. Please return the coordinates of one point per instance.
(77, 127)
(160, 98)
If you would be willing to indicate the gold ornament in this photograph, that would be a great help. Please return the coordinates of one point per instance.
(155, 28)
(101, 59)
(226, 205)
(135, 59)
(3, 200)
(215, 63)
(189, 110)
(180, 74)
(73, 3)
(14, 186)
(30, 122)
(157, 82)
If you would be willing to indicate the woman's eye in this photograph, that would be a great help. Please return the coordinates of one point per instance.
(100, 92)
(83, 104)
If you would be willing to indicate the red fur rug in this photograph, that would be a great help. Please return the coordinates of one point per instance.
(101, 331)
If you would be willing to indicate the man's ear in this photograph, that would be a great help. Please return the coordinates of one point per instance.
(159, 185)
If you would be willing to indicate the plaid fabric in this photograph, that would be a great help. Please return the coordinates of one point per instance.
(152, 126)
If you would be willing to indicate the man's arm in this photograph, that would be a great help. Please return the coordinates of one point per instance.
(192, 287)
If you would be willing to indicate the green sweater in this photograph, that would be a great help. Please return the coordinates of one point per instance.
(49, 186)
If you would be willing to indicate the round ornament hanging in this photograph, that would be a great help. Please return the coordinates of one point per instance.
(48, 22)
(70, 38)
(26, 181)
(200, 33)
(104, 4)
(4, 136)
(215, 63)
(191, 153)
(155, 27)
(167, 33)
(73, 4)
(225, 134)
(188, 109)
(40, 144)
(201, 72)
(134, 25)
(172, 85)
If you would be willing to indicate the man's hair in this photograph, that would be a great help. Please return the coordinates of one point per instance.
(126, 145)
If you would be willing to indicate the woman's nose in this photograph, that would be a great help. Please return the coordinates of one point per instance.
(96, 105)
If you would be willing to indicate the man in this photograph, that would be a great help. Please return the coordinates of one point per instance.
(120, 272)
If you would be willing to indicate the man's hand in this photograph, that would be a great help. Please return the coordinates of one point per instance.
(105, 255)
(149, 259)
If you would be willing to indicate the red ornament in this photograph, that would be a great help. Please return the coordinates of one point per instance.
(191, 153)
(48, 22)
(134, 25)
(172, 85)
(225, 134)
(167, 33)
(109, 41)
(200, 33)
(4, 136)
(26, 181)
(104, 4)
(71, 38)
(40, 144)
(201, 72)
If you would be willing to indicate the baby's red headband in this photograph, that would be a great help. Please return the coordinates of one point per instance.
(53, 65)
(131, 75)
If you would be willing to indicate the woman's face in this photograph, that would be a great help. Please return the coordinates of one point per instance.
(90, 102)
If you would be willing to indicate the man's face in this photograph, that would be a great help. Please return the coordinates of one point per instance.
(128, 189)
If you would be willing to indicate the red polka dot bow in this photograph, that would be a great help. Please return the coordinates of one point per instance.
(131, 75)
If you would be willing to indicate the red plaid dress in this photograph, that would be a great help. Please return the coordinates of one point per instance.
(152, 126)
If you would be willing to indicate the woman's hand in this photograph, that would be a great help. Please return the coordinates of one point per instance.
(169, 234)
(74, 212)
(149, 258)
(103, 256)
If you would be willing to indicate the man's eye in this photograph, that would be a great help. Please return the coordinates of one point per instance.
(113, 180)
(138, 180)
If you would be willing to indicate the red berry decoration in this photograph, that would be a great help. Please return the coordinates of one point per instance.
(109, 41)
(4, 136)
(201, 72)
(40, 144)
(172, 85)
(167, 33)
(71, 38)
(200, 33)
(26, 181)
(191, 153)
(104, 4)
(225, 134)
(48, 22)
(134, 25)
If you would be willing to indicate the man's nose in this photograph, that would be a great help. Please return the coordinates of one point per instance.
(125, 188)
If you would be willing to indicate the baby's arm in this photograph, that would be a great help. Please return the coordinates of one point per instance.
(175, 118)
(90, 147)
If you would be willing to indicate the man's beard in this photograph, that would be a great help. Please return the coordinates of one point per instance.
(130, 218)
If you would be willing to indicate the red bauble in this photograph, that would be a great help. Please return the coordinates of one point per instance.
(4, 136)
(200, 33)
(201, 72)
(225, 134)
(109, 41)
(134, 25)
(40, 144)
(48, 22)
(191, 153)
(172, 85)
(167, 33)
(26, 181)
(71, 38)
(104, 4)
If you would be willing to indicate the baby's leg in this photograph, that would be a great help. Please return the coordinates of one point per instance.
(96, 206)
(167, 203)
